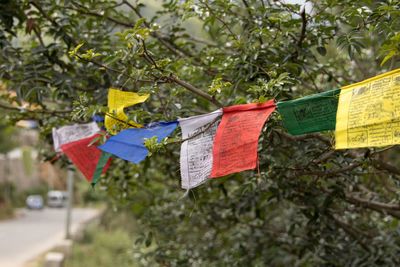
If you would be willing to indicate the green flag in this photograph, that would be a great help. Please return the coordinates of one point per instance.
(100, 166)
(314, 113)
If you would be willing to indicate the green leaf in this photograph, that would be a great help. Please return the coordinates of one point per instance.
(387, 57)
(74, 52)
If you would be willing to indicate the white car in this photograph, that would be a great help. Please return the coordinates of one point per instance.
(34, 202)
(57, 199)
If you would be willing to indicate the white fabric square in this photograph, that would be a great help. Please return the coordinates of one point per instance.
(196, 152)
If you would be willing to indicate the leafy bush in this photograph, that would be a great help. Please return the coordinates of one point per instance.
(6, 207)
(102, 248)
(307, 205)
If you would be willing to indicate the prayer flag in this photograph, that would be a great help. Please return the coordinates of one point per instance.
(103, 160)
(116, 119)
(129, 143)
(314, 113)
(236, 140)
(71, 133)
(98, 118)
(369, 112)
(84, 155)
(196, 151)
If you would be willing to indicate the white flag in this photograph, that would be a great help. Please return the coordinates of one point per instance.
(196, 152)
(71, 133)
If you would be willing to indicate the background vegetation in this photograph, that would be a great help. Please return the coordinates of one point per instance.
(307, 205)
(110, 243)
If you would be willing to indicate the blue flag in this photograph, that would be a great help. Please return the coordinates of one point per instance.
(129, 143)
(98, 118)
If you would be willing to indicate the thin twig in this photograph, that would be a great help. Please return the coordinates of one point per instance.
(119, 71)
(220, 20)
(53, 22)
(195, 90)
(122, 121)
(355, 233)
(148, 56)
(296, 138)
(38, 111)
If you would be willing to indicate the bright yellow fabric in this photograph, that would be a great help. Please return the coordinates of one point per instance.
(369, 112)
(117, 101)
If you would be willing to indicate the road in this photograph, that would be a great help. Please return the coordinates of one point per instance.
(34, 232)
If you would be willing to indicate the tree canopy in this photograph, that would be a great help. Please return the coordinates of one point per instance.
(306, 205)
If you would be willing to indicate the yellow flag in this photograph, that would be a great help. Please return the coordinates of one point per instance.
(369, 112)
(116, 119)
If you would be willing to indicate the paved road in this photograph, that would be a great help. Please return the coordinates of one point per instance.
(35, 232)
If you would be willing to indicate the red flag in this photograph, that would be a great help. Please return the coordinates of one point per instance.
(83, 156)
(235, 144)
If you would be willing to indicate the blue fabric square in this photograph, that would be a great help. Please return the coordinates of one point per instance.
(129, 143)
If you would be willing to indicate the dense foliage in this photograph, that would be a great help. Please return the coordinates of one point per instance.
(306, 205)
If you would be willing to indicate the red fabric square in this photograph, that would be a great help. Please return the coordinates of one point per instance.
(236, 140)
(83, 156)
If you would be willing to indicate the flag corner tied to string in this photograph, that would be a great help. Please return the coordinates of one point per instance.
(196, 157)
(129, 144)
(85, 156)
(236, 140)
(117, 101)
(369, 112)
(309, 114)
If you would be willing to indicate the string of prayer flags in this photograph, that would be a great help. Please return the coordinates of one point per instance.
(314, 113)
(116, 119)
(196, 151)
(369, 112)
(71, 133)
(236, 140)
(84, 155)
(364, 114)
(103, 160)
(129, 143)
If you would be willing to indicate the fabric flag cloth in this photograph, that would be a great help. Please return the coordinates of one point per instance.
(98, 118)
(103, 160)
(71, 133)
(116, 119)
(314, 113)
(196, 152)
(84, 155)
(369, 112)
(236, 140)
(129, 143)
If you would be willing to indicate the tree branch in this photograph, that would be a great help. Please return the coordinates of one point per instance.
(330, 172)
(171, 46)
(195, 90)
(303, 27)
(381, 165)
(101, 65)
(300, 40)
(220, 20)
(37, 111)
(353, 232)
(85, 11)
(168, 44)
(53, 22)
(297, 138)
(374, 205)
